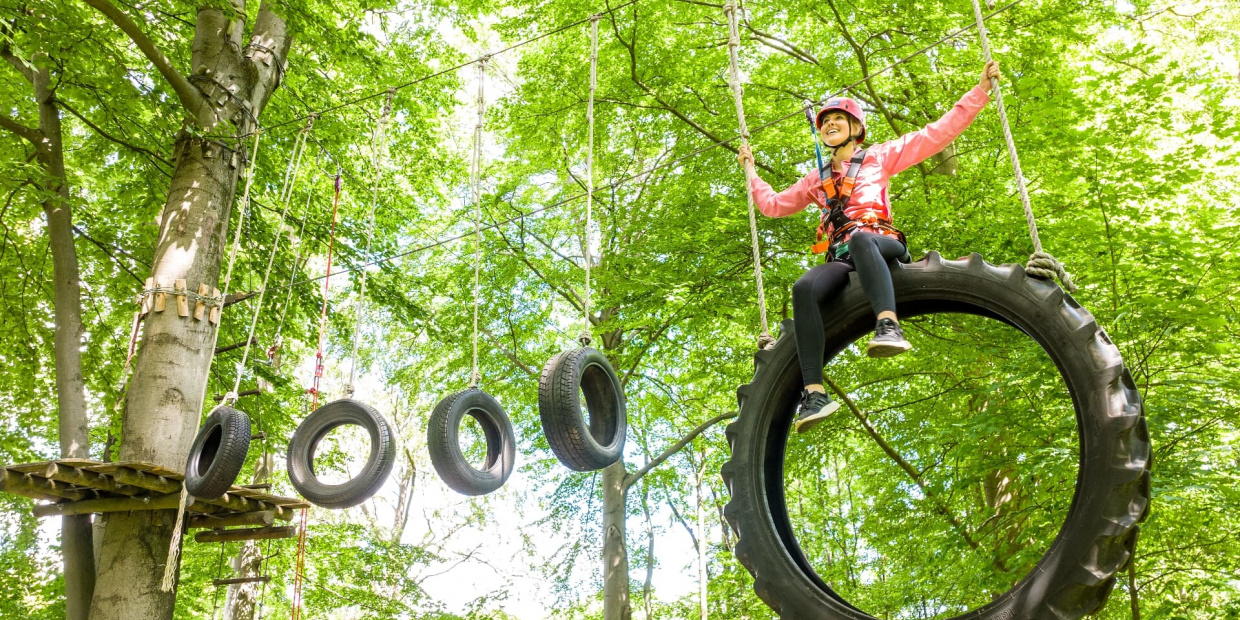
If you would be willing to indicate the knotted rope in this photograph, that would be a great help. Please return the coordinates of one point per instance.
(1041, 264)
(765, 340)
(584, 337)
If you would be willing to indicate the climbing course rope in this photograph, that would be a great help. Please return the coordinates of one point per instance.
(273, 353)
(286, 195)
(327, 283)
(584, 337)
(734, 82)
(299, 565)
(670, 163)
(1041, 264)
(172, 563)
(378, 144)
(475, 178)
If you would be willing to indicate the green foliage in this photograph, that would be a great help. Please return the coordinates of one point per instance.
(1125, 118)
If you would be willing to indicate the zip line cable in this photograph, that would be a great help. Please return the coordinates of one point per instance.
(765, 341)
(378, 144)
(480, 59)
(584, 337)
(667, 164)
(1041, 264)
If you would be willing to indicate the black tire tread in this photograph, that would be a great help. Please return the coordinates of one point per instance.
(357, 489)
(229, 458)
(1081, 586)
(453, 469)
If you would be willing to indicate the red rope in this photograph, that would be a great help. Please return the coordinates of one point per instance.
(331, 242)
(300, 566)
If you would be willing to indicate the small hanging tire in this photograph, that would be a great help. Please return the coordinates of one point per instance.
(1096, 542)
(443, 442)
(582, 445)
(314, 428)
(218, 453)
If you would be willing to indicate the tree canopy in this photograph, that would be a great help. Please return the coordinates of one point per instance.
(937, 486)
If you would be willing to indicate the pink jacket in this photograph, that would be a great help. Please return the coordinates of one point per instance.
(882, 161)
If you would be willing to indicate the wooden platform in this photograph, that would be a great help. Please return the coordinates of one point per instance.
(82, 486)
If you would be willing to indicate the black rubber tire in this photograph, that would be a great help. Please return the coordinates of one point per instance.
(1112, 496)
(582, 445)
(218, 453)
(443, 442)
(316, 426)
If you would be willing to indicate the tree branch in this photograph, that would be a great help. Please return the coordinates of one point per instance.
(676, 447)
(114, 139)
(29, 133)
(190, 97)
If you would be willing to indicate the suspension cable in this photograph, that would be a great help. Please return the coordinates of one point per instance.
(475, 174)
(1041, 264)
(480, 59)
(666, 164)
(378, 144)
(584, 337)
(734, 82)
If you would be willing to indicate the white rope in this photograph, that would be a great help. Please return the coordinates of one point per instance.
(475, 376)
(1041, 264)
(734, 81)
(584, 337)
(286, 194)
(378, 144)
(171, 563)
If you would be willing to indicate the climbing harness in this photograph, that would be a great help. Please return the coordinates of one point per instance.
(834, 225)
(1041, 264)
(378, 144)
(734, 82)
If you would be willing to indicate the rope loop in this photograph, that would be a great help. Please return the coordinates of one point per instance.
(475, 375)
(1044, 266)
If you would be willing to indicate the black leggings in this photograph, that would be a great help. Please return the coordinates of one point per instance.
(870, 254)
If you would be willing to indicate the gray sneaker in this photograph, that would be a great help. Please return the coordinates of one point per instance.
(888, 340)
(815, 407)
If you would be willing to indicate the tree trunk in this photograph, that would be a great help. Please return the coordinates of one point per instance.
(703, 579)
(615, 554)
(76, 540)
(165, 398)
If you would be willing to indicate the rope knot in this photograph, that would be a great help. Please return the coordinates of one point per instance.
(1044, 266)
(584, 338)
(765, 341)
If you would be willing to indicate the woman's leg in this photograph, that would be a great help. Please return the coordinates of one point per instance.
(871, 253)
(808, 294)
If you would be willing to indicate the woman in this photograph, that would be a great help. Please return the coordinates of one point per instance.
(857, 232)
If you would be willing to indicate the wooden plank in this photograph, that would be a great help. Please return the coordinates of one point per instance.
(89, 479)
(249, 533)
(232, 502)
(265, 518)
(114, 504)
(161, 299)
(15, 483)
(234, 580)
(215, 310)
(158, 484)
(200, 306)
(182, 302)
(28, 485)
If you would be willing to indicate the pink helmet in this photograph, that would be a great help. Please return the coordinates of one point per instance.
(845, 105)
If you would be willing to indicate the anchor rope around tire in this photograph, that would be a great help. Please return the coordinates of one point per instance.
(378, 144)
(584, 336)
(475, 181)
(1041, 264)
(734, 82)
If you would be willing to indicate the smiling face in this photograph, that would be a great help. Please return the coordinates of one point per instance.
(836, 128)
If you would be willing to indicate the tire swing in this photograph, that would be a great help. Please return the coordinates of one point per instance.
(1098, 538)
(581, 444)
(443, 429)
(219, 450)
(322, 420)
